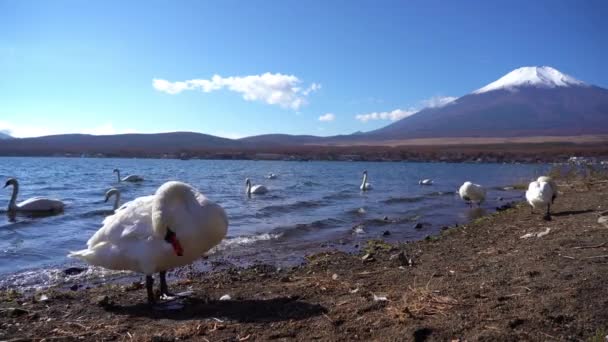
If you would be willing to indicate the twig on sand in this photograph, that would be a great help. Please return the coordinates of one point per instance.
(595, 246)
(567, 257)
(597, 256)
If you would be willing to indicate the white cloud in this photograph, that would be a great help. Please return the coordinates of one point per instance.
(27, 131)
(395, 115)
(327, 117)
(438, 101)
(398, 114)
(275, 89)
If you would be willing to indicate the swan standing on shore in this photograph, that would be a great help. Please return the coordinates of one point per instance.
(32, 205)
(113, 192)
(129, 178)
(254, 189)
(541, 194)
(364, 184)
(150, 234)
(470, 193)
(425, 182)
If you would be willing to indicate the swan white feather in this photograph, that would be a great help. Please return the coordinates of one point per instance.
(257, 189)
(364, 184)
(425, 182)
(541, 193)
(133, 238)
(470, 193)
(32, 205)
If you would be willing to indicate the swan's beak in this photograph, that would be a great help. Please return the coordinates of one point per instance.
(172, 239)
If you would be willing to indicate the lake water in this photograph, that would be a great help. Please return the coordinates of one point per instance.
(310, 206)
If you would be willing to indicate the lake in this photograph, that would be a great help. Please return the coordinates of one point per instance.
(310, 206)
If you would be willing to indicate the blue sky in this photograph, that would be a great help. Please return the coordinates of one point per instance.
(107, 67)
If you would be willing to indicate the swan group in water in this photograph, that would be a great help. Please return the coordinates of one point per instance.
(32, 205)
(156, 233)
(129, 178)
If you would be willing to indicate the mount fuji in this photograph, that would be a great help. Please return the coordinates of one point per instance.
(529, 101)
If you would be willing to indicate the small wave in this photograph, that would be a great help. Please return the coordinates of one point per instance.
(394, 200)
(249, 239)
(39, 279)
(441, 193)
(344, 194)
(99, 212)
(271, 209)
(302, 228)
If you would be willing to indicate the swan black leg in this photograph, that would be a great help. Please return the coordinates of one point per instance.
(149, 289)
(548, 214)
(164, 289)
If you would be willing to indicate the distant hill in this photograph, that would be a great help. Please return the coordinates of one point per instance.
(281, 139)
(5, 136)
(121, 144)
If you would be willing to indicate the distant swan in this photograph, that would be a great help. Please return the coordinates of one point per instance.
(254, 189)
(150, 234)
(129, 178)
(425, 182)
(113, 192)
(364, 184)
(271, 176)
(32, 205)
(470, 193)
(541, 194)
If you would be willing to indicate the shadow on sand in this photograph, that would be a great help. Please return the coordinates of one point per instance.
(572, 212)
(267, 310)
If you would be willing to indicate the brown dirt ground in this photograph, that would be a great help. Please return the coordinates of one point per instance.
(475, 282)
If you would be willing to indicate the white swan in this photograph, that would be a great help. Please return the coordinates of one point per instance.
(32, 205)
(254, 189)
(271, 176)
(541, 194)
(470, 193)
(425, 182)
(129, 178)
(364, 184)
(171, 228)
(113, 192)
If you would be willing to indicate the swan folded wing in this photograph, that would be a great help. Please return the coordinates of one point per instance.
(40, 204)
(132, 221)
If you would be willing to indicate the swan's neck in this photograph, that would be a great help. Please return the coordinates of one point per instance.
(117, 200)
(118, 175)
(12, 204)
(364, 180)
(248, 188)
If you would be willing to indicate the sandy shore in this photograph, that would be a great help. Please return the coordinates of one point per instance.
(482, 281)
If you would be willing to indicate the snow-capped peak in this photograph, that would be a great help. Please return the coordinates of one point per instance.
(542, 77)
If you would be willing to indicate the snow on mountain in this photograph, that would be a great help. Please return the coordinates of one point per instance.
(541, 77)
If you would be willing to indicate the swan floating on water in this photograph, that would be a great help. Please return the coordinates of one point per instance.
(425, 182)
(150, 234)
(129, 178)
(364, 184)
(470, 193)
(254, 189)
(32, 205)
(271, 176)
(541, 194)
(113, 192)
